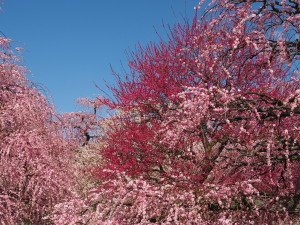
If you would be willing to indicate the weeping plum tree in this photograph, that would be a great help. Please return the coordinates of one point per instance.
(34, 154)
(209, 129)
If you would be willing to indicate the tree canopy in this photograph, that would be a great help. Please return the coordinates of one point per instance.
(205, 130)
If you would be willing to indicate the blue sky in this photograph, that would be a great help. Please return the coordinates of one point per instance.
(70, 44)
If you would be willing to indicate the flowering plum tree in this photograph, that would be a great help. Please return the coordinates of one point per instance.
(85, 129)
(35, 170)
(83, 125)
(278, 20)
(209, 129)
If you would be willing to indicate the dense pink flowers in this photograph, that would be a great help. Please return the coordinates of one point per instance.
(205, 130)
(34, 155)
(215, 109)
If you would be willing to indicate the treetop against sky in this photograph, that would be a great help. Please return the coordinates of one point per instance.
(69, 45)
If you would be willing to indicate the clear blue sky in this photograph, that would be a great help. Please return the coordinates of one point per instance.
(70, 44)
